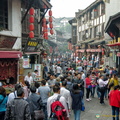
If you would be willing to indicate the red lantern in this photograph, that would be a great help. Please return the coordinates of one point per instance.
(46, 37)
(50, 12)
(44, 25)
(32, 11)
(44, 20)
(31, 34)
(50, 19)
(45, 30)
(51, 32)
(51, 25)
(31, 27)
(45, 34)
(31, 19)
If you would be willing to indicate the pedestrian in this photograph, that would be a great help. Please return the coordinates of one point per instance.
(93, 79)
(35, 102)
(45, 71)
(58, 70)
(102, 87)
(77, 96)
(66, 93)
(13, 95)
(34, 75)
(53, 98)
(113, 82)
(88, 87)
(114, 101)
(44, 92)
(18, 109)
(29, 78)
(3, 102)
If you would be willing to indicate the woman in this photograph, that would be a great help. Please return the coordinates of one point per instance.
(88, 87)
(114, 101)
(113, 82)
(102, 87)
(3, 102)
(77, 97)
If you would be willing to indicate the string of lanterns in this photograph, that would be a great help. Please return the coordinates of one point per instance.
(45, 27)
(31, 20)
(50, 22)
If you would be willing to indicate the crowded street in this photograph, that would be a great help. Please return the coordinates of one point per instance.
(60, 60)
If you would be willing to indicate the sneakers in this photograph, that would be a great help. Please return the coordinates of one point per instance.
(90, 99)
(87, 100)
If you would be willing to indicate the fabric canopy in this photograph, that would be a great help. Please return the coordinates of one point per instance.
(10, 54)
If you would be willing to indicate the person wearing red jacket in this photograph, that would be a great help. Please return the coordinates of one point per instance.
(114, 101)
(88, 86)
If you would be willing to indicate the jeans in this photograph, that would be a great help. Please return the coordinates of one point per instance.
(77, 114)
(115, 113)
(87, 92)
(93, 91)
(45, 110)
(2, 115)
(98, 93)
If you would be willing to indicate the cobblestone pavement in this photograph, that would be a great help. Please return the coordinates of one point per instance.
(94, 108)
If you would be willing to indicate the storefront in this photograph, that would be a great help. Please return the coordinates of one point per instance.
(9, 66)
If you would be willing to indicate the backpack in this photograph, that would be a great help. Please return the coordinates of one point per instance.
(58, 110)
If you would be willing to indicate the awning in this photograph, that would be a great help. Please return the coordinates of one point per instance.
(32, 53)
(97, 42)
(94, 50)
(81, 50)
(10, 54)
(115, 44)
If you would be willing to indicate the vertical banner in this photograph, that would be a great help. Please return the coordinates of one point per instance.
(26, 63)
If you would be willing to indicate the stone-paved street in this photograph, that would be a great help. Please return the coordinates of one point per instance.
(94, 107)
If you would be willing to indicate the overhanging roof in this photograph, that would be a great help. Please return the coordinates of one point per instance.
(97, 42)
(111, 20)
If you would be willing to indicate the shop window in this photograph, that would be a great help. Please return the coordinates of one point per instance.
(3, 14)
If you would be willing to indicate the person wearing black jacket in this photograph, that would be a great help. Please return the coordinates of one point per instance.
(77, 96)
(34, 100)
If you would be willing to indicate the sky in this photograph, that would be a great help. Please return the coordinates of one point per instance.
(67, 8)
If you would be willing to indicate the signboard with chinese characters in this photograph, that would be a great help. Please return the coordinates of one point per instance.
(31, 45)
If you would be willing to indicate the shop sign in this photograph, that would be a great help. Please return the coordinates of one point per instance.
(31, 45)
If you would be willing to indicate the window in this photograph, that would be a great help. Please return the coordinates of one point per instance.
(103, 29)
(4, 14)
(102, 8)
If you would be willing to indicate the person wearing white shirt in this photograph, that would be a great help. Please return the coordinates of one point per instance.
(66, 93)
(102, 88)
(29, 78)
(58, 70)
(53, 98)
(13, 95)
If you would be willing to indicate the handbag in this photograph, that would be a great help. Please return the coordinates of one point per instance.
(39, 115)
(89, 86)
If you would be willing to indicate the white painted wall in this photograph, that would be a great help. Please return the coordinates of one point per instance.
(14, 22)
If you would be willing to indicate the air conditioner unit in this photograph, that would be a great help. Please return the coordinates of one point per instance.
(89, 23)
(87, 35)
(98, 33)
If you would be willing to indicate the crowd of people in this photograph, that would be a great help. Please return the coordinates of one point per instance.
(63, 89)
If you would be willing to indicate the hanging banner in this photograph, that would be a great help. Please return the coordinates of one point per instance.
(26, 63)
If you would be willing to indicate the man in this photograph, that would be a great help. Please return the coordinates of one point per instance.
(34, 75)
(44, 92)
(56, 90)
(79, 68)
(18, 109)
(13, 95)
(34, 101)
(29, 78)
(45, 71)
(58, 70)
(52, 81)
(66, 93)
